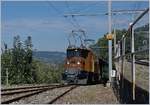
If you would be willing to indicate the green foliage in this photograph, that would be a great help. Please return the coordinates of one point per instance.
(139, 35)
(23, 69)
(103, 43)
(46, 73)
(18, 62)
(5, 64)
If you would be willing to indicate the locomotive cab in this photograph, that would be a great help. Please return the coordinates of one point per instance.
(75, 65)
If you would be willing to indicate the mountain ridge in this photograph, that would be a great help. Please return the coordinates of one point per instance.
(52, 57)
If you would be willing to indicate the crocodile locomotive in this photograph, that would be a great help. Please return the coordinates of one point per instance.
(81, 66)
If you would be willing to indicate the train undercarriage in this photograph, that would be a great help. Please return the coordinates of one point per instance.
(80, 77)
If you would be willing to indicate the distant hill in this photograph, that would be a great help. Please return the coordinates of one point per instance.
(50, 57)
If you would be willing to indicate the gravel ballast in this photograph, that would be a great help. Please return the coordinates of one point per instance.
(90, 94)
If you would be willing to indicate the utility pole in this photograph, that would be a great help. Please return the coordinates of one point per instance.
(7, 77)
(133, 58)
(109, 41)
(114, 41)
(109, 36)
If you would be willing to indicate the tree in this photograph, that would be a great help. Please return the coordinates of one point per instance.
(18, 62)
(5, 64)
(103, 42)
(28, 61)
(23, 69)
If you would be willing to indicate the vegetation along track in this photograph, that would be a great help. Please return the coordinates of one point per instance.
(15, 94)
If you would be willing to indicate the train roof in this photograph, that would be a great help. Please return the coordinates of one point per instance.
(78, 48)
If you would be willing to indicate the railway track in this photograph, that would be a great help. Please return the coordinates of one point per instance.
(21, 90)
(61, 95)
(14, 94)
(25, 87)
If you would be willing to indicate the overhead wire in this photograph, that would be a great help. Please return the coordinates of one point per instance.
(73, 18)
(135, 7)
(68, 7)
(50, 4)
(88, 7)
(77, 25)
(60, 13)
(74, 23)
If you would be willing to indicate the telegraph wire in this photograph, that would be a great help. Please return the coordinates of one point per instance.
(71, 23)
(87, 7)
(68, 7)
(51, 5)
(60, 13)
(73, 18)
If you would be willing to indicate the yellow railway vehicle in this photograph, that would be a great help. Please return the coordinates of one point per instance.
(81, 66)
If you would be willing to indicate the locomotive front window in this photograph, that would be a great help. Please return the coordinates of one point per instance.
(84, 53)
(73, 53)
(77, 53)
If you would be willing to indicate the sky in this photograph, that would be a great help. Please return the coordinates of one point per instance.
(44, 21)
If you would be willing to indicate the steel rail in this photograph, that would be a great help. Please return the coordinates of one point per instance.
(22, 91)
(26, 87)
(58, 97)
(30, 94)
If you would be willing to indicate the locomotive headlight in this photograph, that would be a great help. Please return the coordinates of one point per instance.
(78, 63)
(68, 63)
